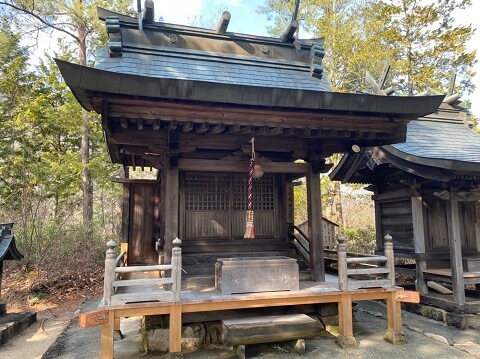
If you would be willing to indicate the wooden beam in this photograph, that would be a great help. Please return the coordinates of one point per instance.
(186, 164)
(170, 194)
(172, 125)
(135, 137)
(106, 337)
(202, 128)
(222, 24)
(275, 131)
(455, 246)
(123, 122)
(105, 118)
(140, 124)
(188, 126)
(287, 34)
(419, 240)
(407, 296)
(234, 129)
(262, 131)
(93, 318)
(345, 337)
(217, 129)
(249, 115)
(246, 130)
(175, 338)
(156, 124)
(394, 332)
(315, 226)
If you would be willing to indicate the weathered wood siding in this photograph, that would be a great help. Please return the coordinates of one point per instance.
(467, 214)
(144, 223)
(396, 220)
(436, 223)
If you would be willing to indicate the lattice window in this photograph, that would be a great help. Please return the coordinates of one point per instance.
(263, 193)
(207, 193)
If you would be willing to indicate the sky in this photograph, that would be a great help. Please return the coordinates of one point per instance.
(245, 19)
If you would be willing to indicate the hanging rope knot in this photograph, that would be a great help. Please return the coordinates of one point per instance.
(249, 231)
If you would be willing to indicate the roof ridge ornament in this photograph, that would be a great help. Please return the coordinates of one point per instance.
(378, 85)
(317, 53)
(114, 36)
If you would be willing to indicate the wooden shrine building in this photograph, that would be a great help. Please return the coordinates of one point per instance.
(426, 194)
(188, 102)
(8, 251)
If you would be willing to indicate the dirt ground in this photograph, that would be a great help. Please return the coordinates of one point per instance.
(52, 320)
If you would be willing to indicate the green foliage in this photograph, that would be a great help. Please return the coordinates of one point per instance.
(427, 44)
(359, 240)
(421, 38)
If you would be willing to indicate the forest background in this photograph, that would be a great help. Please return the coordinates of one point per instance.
(54, 167)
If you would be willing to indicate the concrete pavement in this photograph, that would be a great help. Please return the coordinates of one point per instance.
(426, 339)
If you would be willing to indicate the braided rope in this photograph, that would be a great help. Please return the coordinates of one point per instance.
(250, 186)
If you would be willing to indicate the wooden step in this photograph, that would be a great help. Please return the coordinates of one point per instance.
(377, 270)
(138, 282)
(143, 296)
(267, 329)
(367, 259)
(362, 284)
(134, 269)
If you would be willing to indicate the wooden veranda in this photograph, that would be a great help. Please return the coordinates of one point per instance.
(144, 295)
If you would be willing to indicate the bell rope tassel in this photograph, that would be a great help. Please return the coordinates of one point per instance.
(249, 231)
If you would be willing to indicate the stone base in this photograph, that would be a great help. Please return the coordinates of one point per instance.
(14, 323)
(396, 338)
(346, 342)
(3, 308)
(194, 336)
(463, 321)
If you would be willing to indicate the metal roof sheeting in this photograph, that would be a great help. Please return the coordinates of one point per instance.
(196, 66)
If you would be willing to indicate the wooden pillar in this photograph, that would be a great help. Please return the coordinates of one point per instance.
(171, 209)
(106, 337)
(345, 337)
(342, 264)
(175, 338)
(394, 332)
(419, 242)
(125, 236)
(315, 226)
(455, 246)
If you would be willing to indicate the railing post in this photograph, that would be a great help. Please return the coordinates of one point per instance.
(109, 275)
(388, 248)
(342, 263)
(177, 268)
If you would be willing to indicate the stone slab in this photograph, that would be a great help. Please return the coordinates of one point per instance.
(12, 324)
(267, 329)
(256, 274)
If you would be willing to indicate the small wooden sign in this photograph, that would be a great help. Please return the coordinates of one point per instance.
(92, 319)
(407, 296)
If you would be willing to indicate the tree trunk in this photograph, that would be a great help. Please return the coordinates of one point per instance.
(87, 186)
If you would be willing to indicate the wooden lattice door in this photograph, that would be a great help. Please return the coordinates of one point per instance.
(215, 206)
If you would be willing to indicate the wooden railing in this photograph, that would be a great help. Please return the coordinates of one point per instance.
(381, 267)
(301, 243)
(159, 288)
